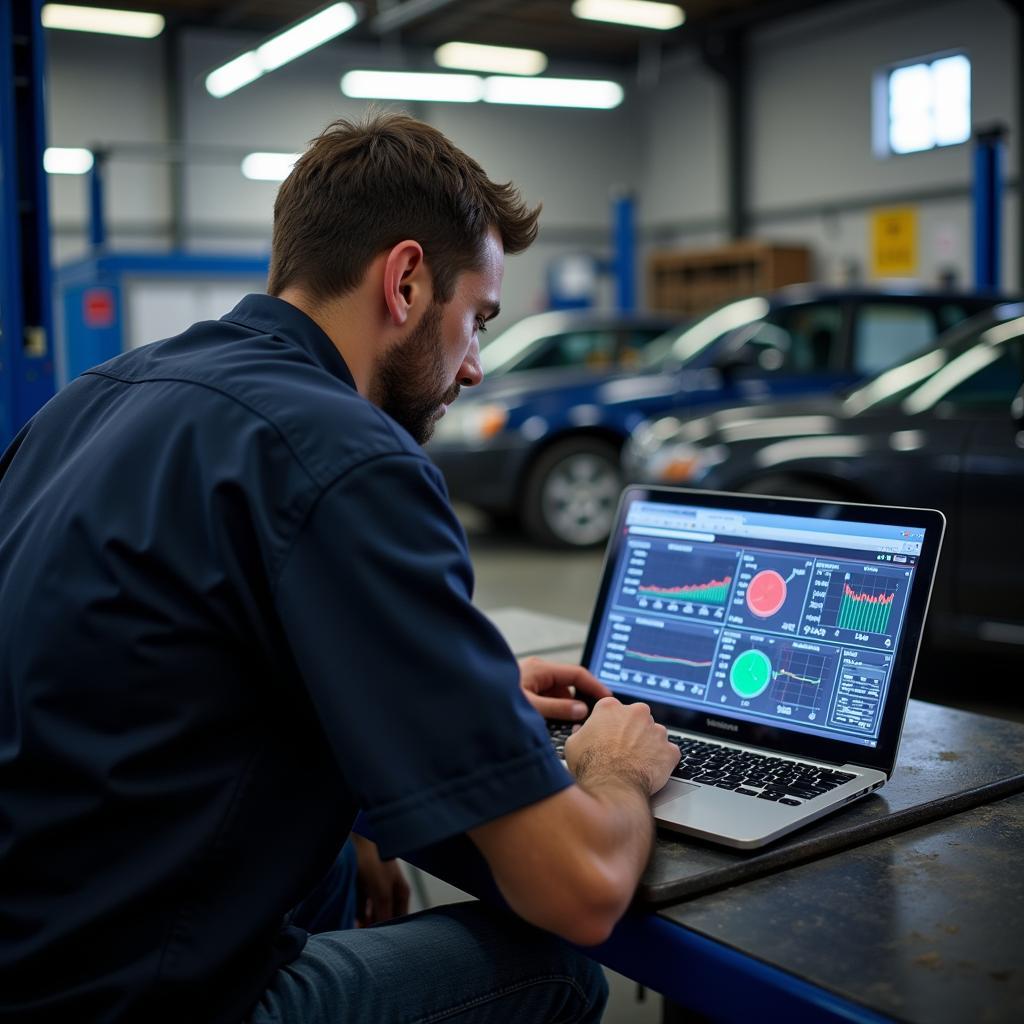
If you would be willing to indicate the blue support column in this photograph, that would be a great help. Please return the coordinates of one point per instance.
(988, 199)
(97, 223)
(26, 349)
(625, 252)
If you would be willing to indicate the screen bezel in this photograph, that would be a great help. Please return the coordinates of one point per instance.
(835, 751)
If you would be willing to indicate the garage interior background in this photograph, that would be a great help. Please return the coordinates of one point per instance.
(807, 170)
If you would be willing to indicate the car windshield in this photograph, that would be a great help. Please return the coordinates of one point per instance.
(513, 343)
(922, 381)
(680, 346)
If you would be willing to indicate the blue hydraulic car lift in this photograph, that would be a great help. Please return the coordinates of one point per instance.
(26, 348)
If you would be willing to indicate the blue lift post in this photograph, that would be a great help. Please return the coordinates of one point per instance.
(625, 249)
(989, 144)
(26, 348)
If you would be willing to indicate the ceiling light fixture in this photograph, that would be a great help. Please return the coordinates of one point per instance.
(58, 160)
(503, 60)
(639, 13)
(137, 24)
(534, 92)
(269, 166)
(409, 85)
(307, 35)
(553, 92)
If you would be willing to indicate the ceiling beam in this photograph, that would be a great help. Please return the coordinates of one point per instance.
(400, 16)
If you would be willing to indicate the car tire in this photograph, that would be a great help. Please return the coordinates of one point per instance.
(793, 487)
(571, 493)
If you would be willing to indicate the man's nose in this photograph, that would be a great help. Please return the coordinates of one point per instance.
(470, 372)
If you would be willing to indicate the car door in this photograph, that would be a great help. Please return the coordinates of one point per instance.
(989, 537)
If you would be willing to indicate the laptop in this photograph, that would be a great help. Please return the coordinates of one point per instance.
(775, 638)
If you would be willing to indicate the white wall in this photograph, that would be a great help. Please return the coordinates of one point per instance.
(102, 89)
(811, 172)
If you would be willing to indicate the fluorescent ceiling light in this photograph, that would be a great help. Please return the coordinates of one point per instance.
(553, 92)
(233, 75)
(67, 161)
(407, 85)
(504, 60)
(641, 13)
(138, 24)
(269, 166)
(307, 35)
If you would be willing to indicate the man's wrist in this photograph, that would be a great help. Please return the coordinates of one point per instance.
(597, 771)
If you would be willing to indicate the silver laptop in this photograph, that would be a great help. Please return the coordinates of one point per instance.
(775, 638)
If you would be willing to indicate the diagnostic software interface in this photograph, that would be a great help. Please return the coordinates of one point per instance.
(789, 621)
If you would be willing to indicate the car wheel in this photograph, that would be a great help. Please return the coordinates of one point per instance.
(572, 492)
(793, 487)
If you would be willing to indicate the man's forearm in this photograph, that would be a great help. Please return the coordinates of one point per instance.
(621, 790)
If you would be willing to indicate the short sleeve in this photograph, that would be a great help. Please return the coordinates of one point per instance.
(416, 690)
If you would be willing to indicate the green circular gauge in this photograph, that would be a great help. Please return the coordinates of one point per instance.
(751, 673)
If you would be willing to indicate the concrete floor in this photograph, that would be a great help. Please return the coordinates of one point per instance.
(512, 572)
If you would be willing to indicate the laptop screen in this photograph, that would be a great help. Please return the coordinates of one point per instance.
(749, 612)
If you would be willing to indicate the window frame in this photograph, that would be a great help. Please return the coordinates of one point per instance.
(880, 116)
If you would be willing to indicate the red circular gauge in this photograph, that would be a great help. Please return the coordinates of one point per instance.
(766, 593)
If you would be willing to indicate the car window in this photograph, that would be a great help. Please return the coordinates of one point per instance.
(950, 314)
(809, 338)
(992, 385)
(632, 342)
(593, 348)
(888, 332)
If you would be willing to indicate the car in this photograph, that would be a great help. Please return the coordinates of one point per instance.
(596, 340)
(541, 446)
(943, 429)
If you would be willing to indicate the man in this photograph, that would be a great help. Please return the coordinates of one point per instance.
(236, 610)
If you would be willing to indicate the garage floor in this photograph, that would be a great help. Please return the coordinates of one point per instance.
(511, 571)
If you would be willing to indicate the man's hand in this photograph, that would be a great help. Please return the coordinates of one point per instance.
(621, 741)
(550, 687)
(381, 889)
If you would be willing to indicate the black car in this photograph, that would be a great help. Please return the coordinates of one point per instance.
(944, 429)
(542, 445)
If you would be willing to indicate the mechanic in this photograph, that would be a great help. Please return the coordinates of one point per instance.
(237, 610)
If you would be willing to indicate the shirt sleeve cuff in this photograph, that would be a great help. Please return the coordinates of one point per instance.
(424, 818)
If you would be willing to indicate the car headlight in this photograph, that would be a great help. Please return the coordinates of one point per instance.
(670, 462)
(472, 424)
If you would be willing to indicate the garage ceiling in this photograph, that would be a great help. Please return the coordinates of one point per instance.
(548, 25)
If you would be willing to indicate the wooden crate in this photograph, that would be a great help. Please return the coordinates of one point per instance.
(693, 281)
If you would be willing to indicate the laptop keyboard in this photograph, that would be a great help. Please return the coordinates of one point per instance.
(743, 771)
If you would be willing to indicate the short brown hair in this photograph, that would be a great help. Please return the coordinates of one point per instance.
(361, 188)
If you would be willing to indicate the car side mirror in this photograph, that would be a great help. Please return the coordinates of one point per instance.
(758, 356)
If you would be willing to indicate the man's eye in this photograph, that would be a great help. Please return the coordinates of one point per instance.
(481, 325)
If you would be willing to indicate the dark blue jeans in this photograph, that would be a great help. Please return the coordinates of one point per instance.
(468, 963)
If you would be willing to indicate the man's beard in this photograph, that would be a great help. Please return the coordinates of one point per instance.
(408, 381)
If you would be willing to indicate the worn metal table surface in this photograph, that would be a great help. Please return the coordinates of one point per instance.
(926, 925)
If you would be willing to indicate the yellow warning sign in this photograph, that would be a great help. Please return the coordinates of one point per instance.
(894, 242)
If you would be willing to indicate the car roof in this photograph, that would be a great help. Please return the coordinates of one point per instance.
(811, 292)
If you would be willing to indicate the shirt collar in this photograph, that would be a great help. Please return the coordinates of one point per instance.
(271, 315)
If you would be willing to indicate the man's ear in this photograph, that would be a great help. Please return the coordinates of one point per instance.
(407, 284)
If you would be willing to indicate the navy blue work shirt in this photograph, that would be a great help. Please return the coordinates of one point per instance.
(235, 610)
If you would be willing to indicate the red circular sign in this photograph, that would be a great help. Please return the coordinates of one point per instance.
(98, 308)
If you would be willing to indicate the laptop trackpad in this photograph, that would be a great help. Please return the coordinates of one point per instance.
(672, 790)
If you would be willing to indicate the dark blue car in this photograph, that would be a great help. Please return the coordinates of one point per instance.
(543, 446)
